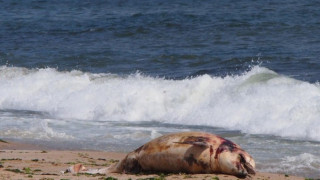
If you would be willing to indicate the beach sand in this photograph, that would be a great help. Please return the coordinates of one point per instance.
(26, 161)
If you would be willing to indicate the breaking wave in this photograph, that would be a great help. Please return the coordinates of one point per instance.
(259, 101)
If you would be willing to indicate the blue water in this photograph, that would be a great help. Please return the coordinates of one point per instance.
(163, 38)
(111, 75)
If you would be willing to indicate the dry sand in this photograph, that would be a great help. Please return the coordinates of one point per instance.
(25, 161)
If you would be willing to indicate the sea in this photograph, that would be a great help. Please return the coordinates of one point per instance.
(111, 75)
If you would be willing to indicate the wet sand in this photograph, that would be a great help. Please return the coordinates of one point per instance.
(26, 161)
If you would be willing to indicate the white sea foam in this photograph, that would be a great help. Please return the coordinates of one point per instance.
(257, 102)
(304, 164)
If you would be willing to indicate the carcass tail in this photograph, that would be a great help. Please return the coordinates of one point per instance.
(79, 168)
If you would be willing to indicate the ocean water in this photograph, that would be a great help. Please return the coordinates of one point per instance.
(112, 75)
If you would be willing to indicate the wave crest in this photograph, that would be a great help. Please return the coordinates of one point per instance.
(258, 102)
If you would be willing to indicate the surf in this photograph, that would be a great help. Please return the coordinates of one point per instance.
(259, 101)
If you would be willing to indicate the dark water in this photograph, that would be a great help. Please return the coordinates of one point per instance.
(174, 39)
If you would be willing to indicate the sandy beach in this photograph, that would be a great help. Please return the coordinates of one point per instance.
(26, 161)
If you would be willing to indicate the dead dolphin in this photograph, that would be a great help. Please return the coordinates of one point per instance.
(189, 152)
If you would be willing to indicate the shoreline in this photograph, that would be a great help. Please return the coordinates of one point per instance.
(27, 161)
